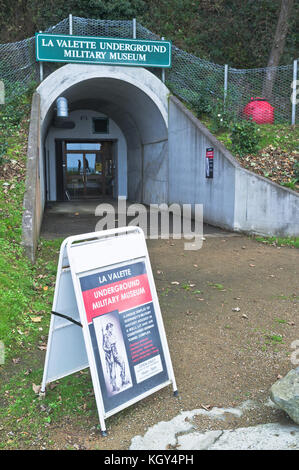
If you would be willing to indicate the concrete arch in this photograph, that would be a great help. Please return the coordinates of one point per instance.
(138, 103)
(69, 75)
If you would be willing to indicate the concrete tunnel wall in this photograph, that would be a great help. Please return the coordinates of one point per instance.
(235, 198)
(136, 100)
(83, 119)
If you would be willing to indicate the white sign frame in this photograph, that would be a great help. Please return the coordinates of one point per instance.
(70, 347)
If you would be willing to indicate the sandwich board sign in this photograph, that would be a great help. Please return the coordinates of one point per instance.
(106, 316)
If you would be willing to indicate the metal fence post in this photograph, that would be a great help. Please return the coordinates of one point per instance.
(70, 24)
(225, 82)
(294, 85)
(134, 28)
(2, 99)
(163, 70)
(41, 69)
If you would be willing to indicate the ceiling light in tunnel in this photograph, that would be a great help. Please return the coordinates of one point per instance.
(62, 107)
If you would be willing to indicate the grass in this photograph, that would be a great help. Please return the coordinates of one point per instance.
(274, 339)
(280, 320)
(27, 417)
(26, 290)
(277, 153)
(284, 136)
(217, 286)
(25, 306)
(280, 241)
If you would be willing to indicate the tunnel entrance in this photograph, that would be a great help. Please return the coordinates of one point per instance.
(85, 157)
(114, 141)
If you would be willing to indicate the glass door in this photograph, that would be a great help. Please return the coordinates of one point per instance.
(108, 168)
(88, 170)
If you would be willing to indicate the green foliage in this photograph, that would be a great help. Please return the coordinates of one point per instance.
(198, 85)
(22, 410)
(222, 116)
(290, 184)
(200, 103)
(280, 241)
(31, 16)
(17, 104)
(223, 31)
(245, 137)
(26, 290)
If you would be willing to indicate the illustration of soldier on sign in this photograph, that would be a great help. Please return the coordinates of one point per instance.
(113, 354)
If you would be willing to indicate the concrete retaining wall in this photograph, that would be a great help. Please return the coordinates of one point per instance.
(155, 172)
(33, 205)
(235, 198)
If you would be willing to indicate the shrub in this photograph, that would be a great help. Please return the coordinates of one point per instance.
(245, 137)
(200, 103)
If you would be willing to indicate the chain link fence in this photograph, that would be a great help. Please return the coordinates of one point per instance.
(203, 85)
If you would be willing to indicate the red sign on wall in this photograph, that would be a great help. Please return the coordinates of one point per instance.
(209, 162)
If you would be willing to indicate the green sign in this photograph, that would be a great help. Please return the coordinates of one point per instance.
(97, 50)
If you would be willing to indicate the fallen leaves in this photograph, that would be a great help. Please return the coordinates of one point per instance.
(273, 163)
(36, 319)
(36, 388)
(12, 169)
(205, 407)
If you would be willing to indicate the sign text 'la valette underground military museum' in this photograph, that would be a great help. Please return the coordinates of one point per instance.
(97, 50)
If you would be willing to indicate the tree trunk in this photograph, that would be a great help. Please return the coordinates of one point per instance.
(277, 46)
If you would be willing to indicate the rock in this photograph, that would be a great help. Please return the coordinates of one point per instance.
(285, 394)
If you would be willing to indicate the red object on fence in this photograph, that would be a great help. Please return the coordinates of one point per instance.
(260, 111)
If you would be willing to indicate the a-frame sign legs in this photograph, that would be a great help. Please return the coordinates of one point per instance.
(66, 352)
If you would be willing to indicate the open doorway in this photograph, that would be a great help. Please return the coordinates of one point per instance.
(85, 169)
